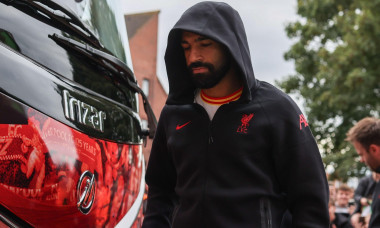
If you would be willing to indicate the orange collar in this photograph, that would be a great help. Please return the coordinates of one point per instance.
(222, 100)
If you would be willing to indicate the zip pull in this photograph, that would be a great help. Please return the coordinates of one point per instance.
(210, 140)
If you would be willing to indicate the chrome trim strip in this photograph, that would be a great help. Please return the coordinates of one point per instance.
(129, 218)
(7, 221)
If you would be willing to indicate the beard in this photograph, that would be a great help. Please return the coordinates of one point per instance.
(212, 77)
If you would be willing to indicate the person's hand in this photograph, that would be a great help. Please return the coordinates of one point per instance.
(332, 213)
(351, 209)
(364, 201)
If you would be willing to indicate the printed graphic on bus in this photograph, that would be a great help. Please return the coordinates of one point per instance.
(41, 163)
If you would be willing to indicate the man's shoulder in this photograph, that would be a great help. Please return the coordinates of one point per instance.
(273, 100)
(267, 92)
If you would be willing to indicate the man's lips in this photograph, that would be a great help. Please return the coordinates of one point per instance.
(199, 70)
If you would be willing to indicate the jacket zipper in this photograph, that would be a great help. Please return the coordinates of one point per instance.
(174, 214)
(266, 215)
(210, 139)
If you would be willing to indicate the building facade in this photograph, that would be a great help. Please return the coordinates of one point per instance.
(142, 29)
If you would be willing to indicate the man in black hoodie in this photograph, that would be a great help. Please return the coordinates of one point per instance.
(230, 150)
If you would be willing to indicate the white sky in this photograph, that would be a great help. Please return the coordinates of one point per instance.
(264, 21)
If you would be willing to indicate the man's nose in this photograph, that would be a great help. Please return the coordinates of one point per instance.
(195, 56)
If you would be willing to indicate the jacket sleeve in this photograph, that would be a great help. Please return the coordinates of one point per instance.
(160, 178)
(298, 166)
(361, 189)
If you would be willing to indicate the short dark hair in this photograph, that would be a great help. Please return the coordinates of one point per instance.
(344, 188)
(365, 132)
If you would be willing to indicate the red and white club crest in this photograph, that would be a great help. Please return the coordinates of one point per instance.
(244, 123)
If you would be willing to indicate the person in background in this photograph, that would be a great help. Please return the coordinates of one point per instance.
(229, 150)
(342, 210)
(365, 137)
(332, 190)
(332, 213)
(363, 198)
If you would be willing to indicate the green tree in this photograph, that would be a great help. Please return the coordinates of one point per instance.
(337, 63)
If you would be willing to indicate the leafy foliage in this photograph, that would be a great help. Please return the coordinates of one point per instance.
(337, 63)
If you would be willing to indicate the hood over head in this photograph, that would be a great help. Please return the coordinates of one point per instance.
(220, 22)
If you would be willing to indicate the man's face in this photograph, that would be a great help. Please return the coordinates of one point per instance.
(365, 156)
(342, 198)
(207, 60)
(332, 191)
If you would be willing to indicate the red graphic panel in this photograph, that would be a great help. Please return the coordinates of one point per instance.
(40, 166)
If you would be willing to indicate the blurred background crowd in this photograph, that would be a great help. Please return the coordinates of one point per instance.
(351, 207)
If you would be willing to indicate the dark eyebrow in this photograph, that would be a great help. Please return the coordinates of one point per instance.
(201, 38)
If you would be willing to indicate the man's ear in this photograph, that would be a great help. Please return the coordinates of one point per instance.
(374, 149)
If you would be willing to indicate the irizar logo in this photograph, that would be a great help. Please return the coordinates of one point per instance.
(83, 113)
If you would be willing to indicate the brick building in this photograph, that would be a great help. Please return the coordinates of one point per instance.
(142, 29)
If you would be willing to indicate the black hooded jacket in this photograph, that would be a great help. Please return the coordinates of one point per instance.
(374, 222)
(231, 171)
